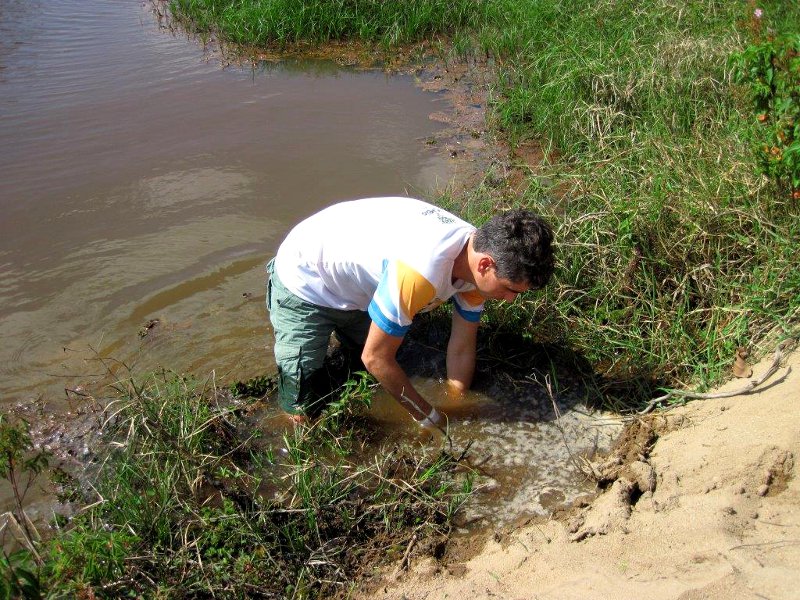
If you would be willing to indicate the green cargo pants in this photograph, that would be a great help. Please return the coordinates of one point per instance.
(302, 335)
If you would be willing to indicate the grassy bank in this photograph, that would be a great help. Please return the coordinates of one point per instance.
(185, 502)
(677, 240)
(285, 23)
(676, 247)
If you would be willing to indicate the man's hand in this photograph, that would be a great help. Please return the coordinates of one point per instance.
(297, 419)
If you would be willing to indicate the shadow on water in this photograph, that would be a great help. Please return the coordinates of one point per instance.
(512, 369)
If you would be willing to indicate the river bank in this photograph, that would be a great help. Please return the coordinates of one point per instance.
(721, 518)
(674, 252)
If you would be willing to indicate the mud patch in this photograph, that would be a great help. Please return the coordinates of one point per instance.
(779, 470)
(465, 138)
(527, 442)
(631, 448)
(622, 476)
(69, 440)
(626, 475)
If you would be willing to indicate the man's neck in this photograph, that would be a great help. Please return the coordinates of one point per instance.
(461, 265)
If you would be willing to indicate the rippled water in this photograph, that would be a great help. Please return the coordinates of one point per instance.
(140, 180)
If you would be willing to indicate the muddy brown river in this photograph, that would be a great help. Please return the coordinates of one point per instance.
(143, 186)
(141, 180)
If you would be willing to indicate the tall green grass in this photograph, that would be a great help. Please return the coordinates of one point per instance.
(674, 249)
(187, 504)
(282, 23)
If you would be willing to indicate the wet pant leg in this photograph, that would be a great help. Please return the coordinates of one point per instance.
(302, 334)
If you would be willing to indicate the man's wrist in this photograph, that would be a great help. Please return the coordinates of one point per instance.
(432, 420)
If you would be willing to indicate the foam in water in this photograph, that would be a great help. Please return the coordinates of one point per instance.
(525, 456)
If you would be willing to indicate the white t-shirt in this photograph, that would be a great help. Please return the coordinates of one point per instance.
(392, 257)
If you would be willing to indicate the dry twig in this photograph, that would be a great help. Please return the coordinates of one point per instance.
(751, 386)
(583, 468)
(403, 566)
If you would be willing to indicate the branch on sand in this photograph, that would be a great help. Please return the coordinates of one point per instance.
(751, 386)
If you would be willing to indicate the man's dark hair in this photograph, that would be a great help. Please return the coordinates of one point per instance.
(520, 242)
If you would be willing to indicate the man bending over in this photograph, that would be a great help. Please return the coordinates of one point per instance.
(364, 269)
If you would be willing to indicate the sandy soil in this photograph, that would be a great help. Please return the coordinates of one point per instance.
(703, 504)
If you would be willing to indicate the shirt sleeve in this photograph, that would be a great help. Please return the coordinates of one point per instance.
(469, 305)
(402, 292)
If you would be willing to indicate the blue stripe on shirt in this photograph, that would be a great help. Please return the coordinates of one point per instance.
(468, 315)
(383, 322)
(384, 295)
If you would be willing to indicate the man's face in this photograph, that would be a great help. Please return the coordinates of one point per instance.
(499, 288)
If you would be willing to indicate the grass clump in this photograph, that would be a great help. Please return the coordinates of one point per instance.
(285, 23)
(186, 505)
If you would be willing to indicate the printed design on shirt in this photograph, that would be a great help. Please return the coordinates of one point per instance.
(439, 214)
(402, 292)
(431, 305)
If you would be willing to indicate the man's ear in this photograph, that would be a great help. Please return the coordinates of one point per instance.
(484, 264)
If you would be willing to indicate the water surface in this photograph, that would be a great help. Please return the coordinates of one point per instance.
(142, 181)
(524, 448)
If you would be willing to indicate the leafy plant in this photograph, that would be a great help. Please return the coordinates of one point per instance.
(256, 387)
(771, 70)
(20, 463)
(17, 457)
(19, 577)
(86, 556)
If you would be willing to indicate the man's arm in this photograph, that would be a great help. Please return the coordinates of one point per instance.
(461, 351)
(380, 359)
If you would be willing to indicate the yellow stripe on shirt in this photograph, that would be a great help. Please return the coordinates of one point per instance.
(472, 297)
(415, 291)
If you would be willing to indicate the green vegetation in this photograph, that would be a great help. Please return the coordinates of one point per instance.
(669, 133)
(674, 248)
(20, 463)
(282, 23)
(771, 69)
(183, 505)
(675, 202)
